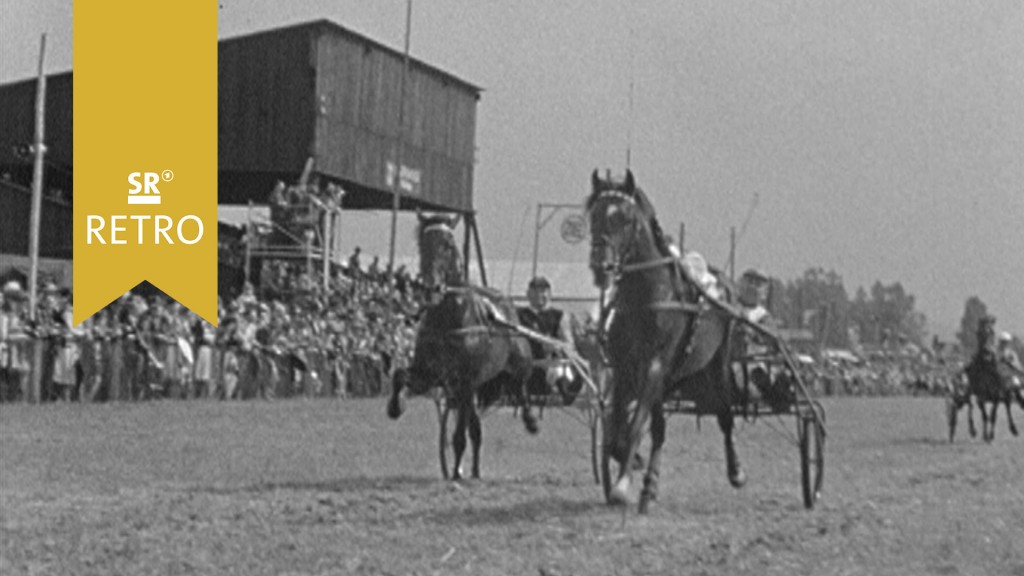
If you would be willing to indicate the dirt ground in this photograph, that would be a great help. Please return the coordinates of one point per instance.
(333, 487)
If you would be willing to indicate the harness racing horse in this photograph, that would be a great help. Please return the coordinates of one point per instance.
(460, 347)
(989, 382)
(660, 341)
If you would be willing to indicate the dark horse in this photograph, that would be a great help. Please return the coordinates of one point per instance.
(660, 341)
(989, 382)
(460, 348)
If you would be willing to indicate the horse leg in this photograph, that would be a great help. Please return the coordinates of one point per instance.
(1009, 416)
(732, 462)
(990, 423)
(619, 494)
(396, 404)
(529, 419)
(459, 437)
(955, 404)
(970, 417)
(476, 438)
(650, 489)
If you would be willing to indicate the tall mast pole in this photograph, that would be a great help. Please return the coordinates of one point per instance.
(396, 184)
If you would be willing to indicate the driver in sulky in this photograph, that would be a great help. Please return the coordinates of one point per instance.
(540, 316)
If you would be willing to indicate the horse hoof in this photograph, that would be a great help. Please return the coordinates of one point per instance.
(619, 494)
(645, 502)
(739, 479)
(531, 424)
(396, 406)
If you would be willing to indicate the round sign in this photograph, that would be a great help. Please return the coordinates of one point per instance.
(574, 228)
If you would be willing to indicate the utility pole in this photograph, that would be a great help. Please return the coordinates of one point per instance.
(249, 238)
(396, 184)
(37, 184)
(732, 254)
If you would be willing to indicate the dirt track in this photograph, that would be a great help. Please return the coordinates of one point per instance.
(323, 487)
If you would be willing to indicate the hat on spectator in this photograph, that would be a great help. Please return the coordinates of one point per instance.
(139, 305)
(755, 275)
(50, 288)
(539, 283)
(1005, 337)
(12, 290)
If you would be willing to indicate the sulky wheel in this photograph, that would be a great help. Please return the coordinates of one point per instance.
(609, 472)
(812, 458)
(609, 467)
(596, 422)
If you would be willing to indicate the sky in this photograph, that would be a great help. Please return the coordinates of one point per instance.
(883, 139)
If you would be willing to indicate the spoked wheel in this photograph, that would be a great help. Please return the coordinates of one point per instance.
(812, 458)
(596, 423)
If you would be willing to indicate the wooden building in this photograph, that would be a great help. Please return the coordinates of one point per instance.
(313, 90)
(319, 90)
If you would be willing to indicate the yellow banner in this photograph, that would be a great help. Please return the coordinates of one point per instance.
(145, 129)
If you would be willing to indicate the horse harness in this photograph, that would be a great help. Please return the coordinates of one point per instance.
(485, 314)
(675, 304)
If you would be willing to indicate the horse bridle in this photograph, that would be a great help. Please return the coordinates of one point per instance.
(620, 268)
(616, 267)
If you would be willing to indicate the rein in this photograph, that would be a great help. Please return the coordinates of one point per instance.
(640, 266)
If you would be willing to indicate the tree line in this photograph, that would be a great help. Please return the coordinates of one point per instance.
(882, 316)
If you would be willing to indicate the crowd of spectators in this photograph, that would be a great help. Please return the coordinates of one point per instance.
(881, 374)
(293, 336)
(296, 337)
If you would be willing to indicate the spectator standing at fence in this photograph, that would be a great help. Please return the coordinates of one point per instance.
(248, 355)
(157, 333)
(66, 347)
(114, 334)
(14, 343)
(374, 272)
(181, 377)
(264, 339)
(203, 338)
(98, 377)
(228, 342)
(354, 267)
(90, 359)
(47, 333)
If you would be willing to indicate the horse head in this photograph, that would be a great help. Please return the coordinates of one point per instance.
(623, 227)
(440, 260)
